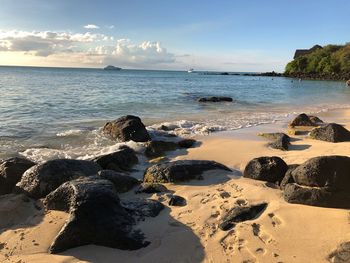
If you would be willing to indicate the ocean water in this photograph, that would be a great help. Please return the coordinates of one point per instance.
(50, 113)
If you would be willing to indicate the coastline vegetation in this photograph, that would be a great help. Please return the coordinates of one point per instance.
(329, 62)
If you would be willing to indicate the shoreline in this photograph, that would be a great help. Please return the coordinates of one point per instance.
(287, 232)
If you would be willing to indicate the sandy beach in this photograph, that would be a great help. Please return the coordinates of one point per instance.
(283, 233)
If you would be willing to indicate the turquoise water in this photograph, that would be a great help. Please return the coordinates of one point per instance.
(58, 109)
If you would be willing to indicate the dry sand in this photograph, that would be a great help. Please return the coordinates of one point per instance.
(283, 233)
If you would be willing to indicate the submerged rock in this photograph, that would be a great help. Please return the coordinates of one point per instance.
(95, 216)
(158, 148)
(151, 188)
(127, 128)
(186, 143)
(122, 182)
(302, 120)
(11, 171)
(216, 99)
(240, 214)
(121, 160)
(176, 200)
(270, 169)
(41, 179)
(177, 171)
(331, 132)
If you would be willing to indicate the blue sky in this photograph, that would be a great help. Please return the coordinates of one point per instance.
(214, 35)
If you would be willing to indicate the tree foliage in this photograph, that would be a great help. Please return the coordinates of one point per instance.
(331, 59)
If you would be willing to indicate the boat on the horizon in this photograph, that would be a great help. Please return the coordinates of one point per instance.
(110, 67)
(191, 70)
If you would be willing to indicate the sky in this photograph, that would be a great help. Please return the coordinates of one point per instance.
(222, 35)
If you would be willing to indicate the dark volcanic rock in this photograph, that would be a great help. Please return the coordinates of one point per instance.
(297, 194)
(122, 182)
(216, 99)
(270, 169)
(331, 132)
(158, 148)
(324, 171)
(95, 216)
(11, 171)
(315, 119)
(121, 160)
(321, 181)
(127, 128)
(141, 208)
(178, 171)
(186, 143)
(302, 120)
(176, 200)
(342, 253)
(288, 178)
(41, 179)
(150, 188)
(281, 140)
(240, 214)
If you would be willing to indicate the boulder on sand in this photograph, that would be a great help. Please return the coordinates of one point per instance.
(151, 188)
(122, 182)
(281, 140)
(302, 120)
(11, 171)
(240, 214)
(177, 171)
(96, 216)
(41, 179)
(158, 148)
(127, 128)
(120, 161)
(331, 132)
(270, 169)
(321, 181)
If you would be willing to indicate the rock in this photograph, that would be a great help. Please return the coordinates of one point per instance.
(297, 194)
(121, 182)
(270, 169)
(240, 214)
(11, 171)
(324, 171)
(315, 119)
(141, 208)
(127, 128)
(216, 99)
(281, 142)
(95, 216)
(186, 143)
(176, 200)
(342, 253)
(177, 171)
(158, 148)
(121, 160)
(150, 188)
(288, 178)
(41, 179)
(302, 120)
(331, 132)
(321, 181)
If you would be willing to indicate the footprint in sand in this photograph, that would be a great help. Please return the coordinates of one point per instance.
(265, 237)
(275, 220)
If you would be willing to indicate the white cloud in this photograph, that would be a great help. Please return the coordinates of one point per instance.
(91, 26)
(85, 48)
(110, 27)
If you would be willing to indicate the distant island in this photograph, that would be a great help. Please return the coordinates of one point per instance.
(110, 67)
(331, 62)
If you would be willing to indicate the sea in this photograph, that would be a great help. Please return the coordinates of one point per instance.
(48, 113)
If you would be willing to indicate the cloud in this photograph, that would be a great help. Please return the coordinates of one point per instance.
(110, 27)
(86, 48)
(91, 26)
